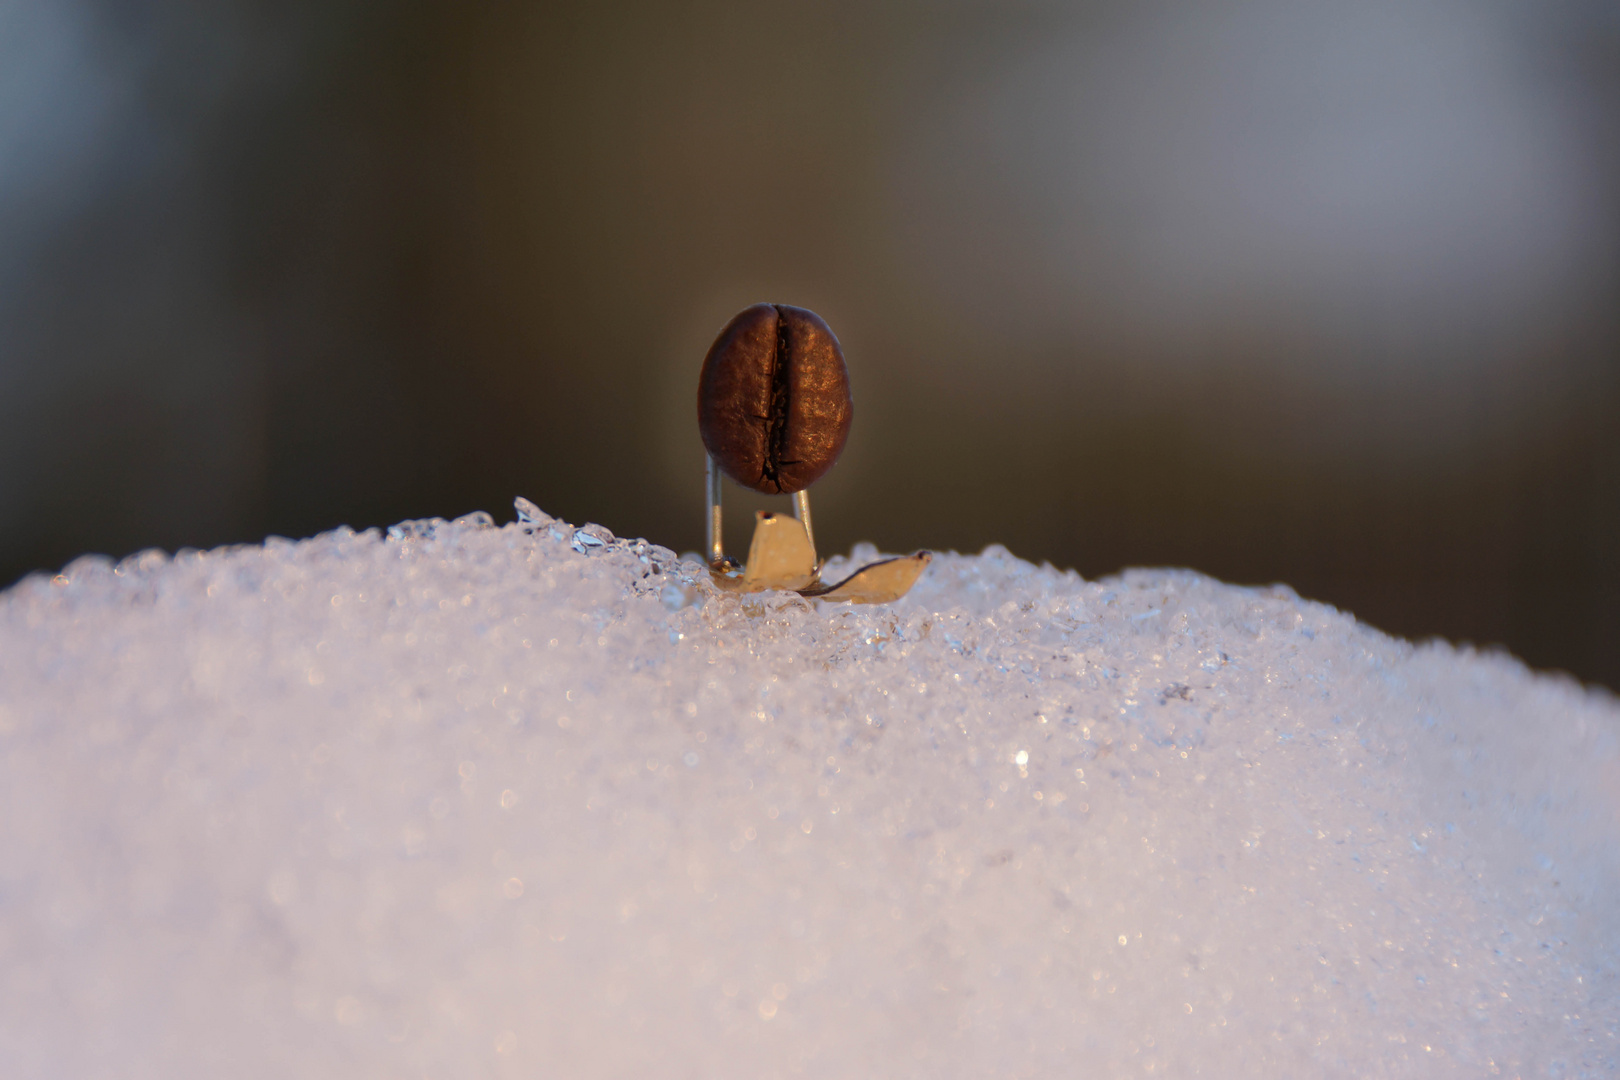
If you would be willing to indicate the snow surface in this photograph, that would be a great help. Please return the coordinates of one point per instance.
(465, 801)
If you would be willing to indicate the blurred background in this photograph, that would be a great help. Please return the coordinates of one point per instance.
(1321, 294)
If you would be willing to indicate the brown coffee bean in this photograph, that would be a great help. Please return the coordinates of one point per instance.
(773, 399)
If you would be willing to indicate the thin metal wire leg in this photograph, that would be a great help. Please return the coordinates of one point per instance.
(801, 510)
(715, 522)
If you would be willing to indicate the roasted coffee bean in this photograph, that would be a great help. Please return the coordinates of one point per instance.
(773, 399)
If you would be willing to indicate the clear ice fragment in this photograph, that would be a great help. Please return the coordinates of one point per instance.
(590, 538)
(530, 514)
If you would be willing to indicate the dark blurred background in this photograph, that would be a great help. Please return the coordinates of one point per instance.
(1314, 293)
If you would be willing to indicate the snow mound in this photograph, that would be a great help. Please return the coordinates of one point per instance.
(464, 801)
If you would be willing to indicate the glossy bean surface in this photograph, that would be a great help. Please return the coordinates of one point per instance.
(773, 399)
